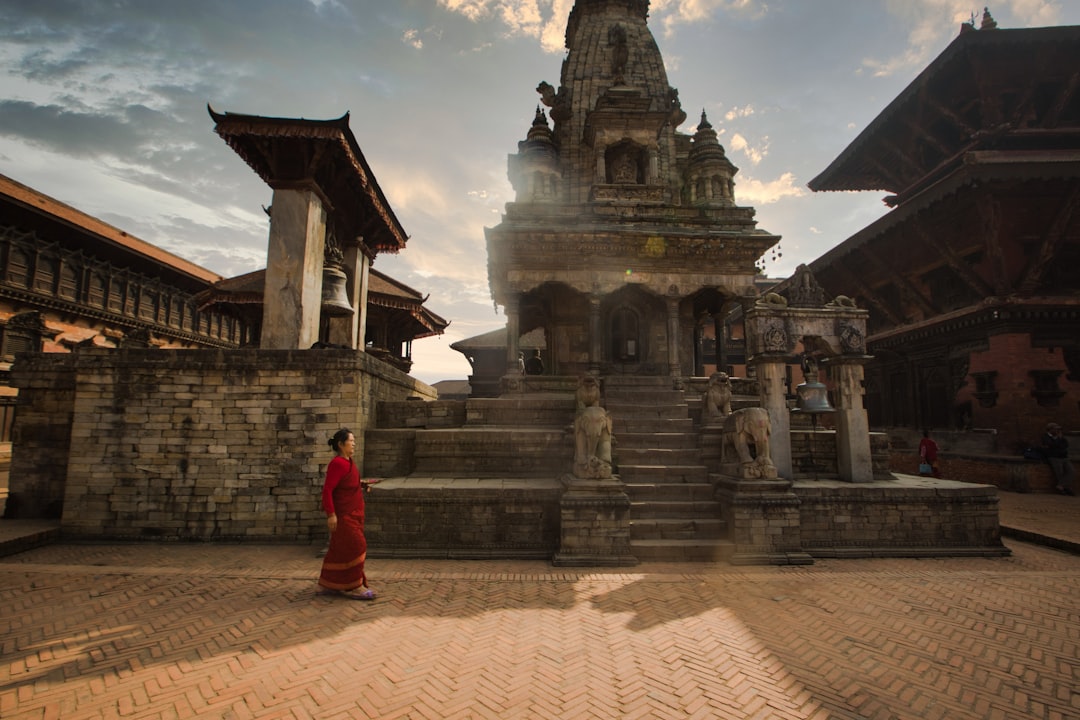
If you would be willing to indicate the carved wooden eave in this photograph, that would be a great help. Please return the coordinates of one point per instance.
(977, 168)
(976, 95)
(322, 156)
(386, 292)
(964, 323)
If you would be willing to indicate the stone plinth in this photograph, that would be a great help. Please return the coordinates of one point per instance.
(595, 528)
(904, 517)
(763, 519)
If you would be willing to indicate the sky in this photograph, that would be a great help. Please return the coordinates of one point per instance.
(103, 106)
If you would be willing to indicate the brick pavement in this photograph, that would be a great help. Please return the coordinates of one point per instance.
(176, 631)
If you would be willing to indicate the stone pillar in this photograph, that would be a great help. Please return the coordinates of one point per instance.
(350, 331)
(595, 331)
(771, 377)
(513, 333)
(721, 341)
(852, 425)
(294, 262)
(674, 366)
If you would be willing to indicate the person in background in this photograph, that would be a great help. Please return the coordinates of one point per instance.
(928, 452)
(1056, 450)
(342, 572)
(534, 365)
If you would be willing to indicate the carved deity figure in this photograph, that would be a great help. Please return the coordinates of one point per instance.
(717, 397)
(746, 428)
(620, 54)
(592, 433)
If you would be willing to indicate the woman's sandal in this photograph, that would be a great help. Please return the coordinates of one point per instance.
(365, 594)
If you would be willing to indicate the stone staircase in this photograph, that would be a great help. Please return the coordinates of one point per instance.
(674, 516)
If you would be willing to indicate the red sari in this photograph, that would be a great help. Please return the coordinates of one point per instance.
(343, 565)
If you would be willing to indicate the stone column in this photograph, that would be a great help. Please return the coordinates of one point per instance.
(294, 262)
(513, 333)
(595, 331)
(771, 377)
(721, 341)
(852, 425)
(674, 367)
(350, 331)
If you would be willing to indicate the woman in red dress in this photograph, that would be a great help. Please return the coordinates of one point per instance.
(343, 501)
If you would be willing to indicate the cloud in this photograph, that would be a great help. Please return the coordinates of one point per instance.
(739, 143)
(756, 192)
(736, 113)
(934, 23)
(412, 37)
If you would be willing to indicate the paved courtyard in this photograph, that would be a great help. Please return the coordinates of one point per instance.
(180, 631)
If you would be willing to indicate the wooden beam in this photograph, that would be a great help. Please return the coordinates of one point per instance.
(901, 282)
(1051, 242)
(954, 261)
(989, 212)
(1053, 116)
(865, 291)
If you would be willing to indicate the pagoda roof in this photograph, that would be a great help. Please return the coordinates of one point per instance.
(978, 94)
(383, 291)
(323, 155)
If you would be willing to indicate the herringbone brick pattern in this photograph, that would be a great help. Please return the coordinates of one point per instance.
(212, 631)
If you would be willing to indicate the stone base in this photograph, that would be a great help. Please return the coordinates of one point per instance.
(595, 527)
(904, 517)
(763, 519)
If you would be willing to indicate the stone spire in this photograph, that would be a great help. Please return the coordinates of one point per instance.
(709, 173)
(534, 170)
(614, 92)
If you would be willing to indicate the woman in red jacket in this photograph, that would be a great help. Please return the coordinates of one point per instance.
(343, 501)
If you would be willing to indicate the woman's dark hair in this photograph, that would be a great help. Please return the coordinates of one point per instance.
(339, 437)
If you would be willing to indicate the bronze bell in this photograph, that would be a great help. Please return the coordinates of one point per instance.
(813, 398)
(335, 299)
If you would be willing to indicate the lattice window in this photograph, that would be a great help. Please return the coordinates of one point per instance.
(18, 268)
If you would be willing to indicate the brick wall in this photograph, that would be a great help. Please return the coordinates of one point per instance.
(1017, 414)
(845, 520)
(198, 444)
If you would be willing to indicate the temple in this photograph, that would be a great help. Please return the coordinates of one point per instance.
(624, 240)
(971, 280)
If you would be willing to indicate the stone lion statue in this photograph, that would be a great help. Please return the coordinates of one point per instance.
(772, 300)
(717, 397)
(588, 392)
(592, 443)
(746, 428)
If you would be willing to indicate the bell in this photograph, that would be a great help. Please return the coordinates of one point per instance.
(335, 300)
(813, 398)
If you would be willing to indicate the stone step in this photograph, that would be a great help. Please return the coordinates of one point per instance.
(638, 410)
(707, 550)
(629, 424)
(521, 411)
(473, 451)
(675, 510)
(657, 440)
(648, 492)
(646, 397)
(675, 529)
(663, 473)
(657, 456)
